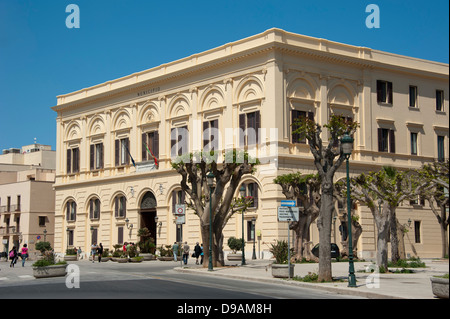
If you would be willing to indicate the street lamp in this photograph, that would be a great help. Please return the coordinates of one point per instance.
(242, 193)
(254, 237)
(347, 148)
(45, 234)
(210, 183)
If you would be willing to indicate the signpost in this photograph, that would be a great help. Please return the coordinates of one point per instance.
(180, 219)
(288, 214)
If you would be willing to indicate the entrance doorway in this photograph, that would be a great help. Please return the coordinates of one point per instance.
(148, 214)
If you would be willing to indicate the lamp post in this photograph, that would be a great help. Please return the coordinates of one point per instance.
(242, 193)
(45, 234)
(254, 237)
(347, 148)
(210, 183)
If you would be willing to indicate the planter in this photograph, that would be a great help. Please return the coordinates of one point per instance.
(440, 287)
(70, 257)
(105, 259)
(120, 260)
(147, 256)
(50, 271)
(165, 258)
(234, 257)
(282, 271)
(136, 259)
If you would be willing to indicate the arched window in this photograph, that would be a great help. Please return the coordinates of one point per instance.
(71, 211)
(120, 206)
(94, 209)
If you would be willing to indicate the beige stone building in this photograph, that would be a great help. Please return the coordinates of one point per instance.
(261, 82)
(27, 197)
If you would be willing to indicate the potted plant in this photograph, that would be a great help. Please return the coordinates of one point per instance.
(106, 256)
(118, 255)
(47, 266)
(165, 254)
(146, 245)
(439, 285)
(71, 254)
(235, 244)
(280, 268)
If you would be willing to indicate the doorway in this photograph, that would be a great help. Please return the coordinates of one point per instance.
(148, 214)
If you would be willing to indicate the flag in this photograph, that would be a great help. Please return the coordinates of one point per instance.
(132, 160)
(151, 153)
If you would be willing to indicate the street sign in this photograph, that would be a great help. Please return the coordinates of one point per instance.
(180, 209)
(290, 203)
(180, 219)
(287, 214)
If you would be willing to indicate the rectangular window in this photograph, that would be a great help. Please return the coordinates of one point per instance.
(122, 152)
(73, 160)
(250, 231)
(417, 231)
(251, 189)
(94, 208)
(150, 145)
(440, 148)
(71, 211)
(412, 96)
(120, 235)
(96, 156)
(70, 237)
(94, 236)
(249, 125)
(413, 143)
(384, 92)
(296, 138)
(42, 220)
(210, 135)
(439, 100)
(386, 140)
(120, 206)
(179, 141)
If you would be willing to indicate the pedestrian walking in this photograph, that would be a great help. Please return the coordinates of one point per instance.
(197, 252)
(24, 254)
(201, 254)
(175, 250)
(186, 249)
(100, 252)
(93, 250)
(79, 256)
(13, 256)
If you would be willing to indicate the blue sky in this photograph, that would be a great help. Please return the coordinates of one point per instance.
(41, 58)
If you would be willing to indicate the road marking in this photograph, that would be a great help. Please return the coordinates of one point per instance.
(25, 276)
(4, 278)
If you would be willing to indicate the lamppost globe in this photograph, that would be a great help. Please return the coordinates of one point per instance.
(347, 144)
(242, 190)
(210, 179)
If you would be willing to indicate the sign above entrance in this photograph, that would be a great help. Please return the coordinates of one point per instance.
(180, 209)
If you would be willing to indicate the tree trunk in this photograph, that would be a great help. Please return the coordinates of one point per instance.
(382, 223)
(395, 255)
(324, 226)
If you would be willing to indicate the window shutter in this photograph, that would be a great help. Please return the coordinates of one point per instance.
(116, 206)
(173, 142)
(255, 195)
(155, 149)
(127, 148)
(120, 235)
(392, 141)
(67, 211)
(389, 93)
(92, 157)
(380, 140)
(101, 155)
(295, 136)
(124, 207)
(69, 161)
(91, 209)
(76, 160)
(215, 124)
(206, 134)
(144, 148)
(257, 125)
(117, 152)
(241, 130)
(185, 148)
(379, 92)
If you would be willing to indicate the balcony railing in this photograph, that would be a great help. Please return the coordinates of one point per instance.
(10, 208)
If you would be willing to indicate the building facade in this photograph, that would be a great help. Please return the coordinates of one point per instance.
(108, 186)
(27, 197)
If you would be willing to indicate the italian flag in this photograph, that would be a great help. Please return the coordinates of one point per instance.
(151, 153)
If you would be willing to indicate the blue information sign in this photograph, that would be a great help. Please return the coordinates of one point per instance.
(289, 203)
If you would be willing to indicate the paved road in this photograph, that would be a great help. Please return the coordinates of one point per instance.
(154, 280)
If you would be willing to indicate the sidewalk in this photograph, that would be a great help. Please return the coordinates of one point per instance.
(385, 286)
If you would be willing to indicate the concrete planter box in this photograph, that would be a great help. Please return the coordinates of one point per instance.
(165, 258)
(50, 271)
(147, 256)
(282, 271)
(440, 287)
(70, 257)
(120, 260)
(136, 260)
(234, 257)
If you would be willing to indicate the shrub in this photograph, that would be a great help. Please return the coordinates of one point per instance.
(280, 251)
(43, 246)
(235, 244)
(71, 251)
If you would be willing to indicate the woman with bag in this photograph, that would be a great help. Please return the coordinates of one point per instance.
(13, 256)
(24, 254)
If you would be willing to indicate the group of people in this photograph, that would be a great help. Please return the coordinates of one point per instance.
(198, 252)
(14, 255)
(96, 250)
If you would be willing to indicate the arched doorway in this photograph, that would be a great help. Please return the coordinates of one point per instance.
(148, 213)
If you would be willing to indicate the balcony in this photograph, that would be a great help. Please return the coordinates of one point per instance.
(10, 208)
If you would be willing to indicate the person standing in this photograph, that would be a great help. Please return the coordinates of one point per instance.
(197, 252)
(201, 254)
(175, 250)
(93, 249)
(79, 256)
(100, 252)
(185, 252)
(24, 254)
(13, 256)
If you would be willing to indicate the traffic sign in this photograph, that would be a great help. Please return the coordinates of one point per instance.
(287, 214)
(180, 209)
(290, 203)
(180, 219)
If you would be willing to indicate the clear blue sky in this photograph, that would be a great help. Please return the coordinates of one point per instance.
(41, 58)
